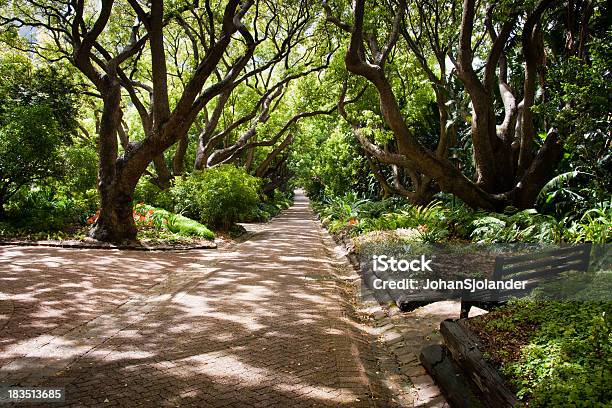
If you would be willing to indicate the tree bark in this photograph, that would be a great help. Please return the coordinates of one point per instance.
(115, 222)
(263, 167)
(250, 157)
(386, 189)
(540, 172)
(178, 160)
(163, 172)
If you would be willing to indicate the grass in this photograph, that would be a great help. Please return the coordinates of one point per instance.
(162, 220)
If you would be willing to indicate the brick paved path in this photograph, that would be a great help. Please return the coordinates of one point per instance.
(262, 324)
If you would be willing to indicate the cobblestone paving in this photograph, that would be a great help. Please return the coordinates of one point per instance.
(262, 324)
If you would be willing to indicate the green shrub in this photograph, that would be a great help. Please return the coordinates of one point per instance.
(81, 167)
(341, 208)
(147, 192)
(523, 226)
(37, 116)
(437, 221)
(529, 226)
(594, 226)
(42, 209)
(461, 220)
(220, 196)
(565, 362)
(359, 216)
(270, 207)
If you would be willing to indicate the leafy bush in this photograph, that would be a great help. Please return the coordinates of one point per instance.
(569, 194)
(580, 105)
(147, 192)
(37, 117)
(436, 222)
(42, 208)
(341, 213)
(358, 216)
(595, 226)
(220, 196)
(523, 226)
(29, 149)
(80, 168)
(461, 219)
(384, 222)
(374, 209)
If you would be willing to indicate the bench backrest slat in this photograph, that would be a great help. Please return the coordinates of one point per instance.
(543, 263)
(556, 251)
(575, 261)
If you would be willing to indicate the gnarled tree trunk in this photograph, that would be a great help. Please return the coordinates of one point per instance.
(497, 155)
(115, 222)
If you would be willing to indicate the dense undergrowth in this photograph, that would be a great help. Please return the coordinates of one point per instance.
(443, 220)
(554, 354)
(216, 199)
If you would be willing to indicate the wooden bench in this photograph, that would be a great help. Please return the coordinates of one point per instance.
(531, 268)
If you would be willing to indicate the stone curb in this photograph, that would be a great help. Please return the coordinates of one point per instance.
(421, 387)
(75, 244)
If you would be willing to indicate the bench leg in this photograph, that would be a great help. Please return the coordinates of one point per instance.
(465, 309)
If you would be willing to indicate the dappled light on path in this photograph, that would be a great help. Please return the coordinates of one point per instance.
(263, 324)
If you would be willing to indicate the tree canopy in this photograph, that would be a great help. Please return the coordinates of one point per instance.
(488, 101)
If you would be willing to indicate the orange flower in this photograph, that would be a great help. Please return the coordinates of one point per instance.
(93, 217)
(353, 221)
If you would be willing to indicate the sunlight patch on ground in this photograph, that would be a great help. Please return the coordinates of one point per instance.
(224, 368)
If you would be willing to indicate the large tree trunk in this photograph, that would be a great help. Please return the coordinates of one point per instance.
(115, 222)
(482, 127)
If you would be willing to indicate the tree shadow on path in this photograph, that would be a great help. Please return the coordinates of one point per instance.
(261, 325)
